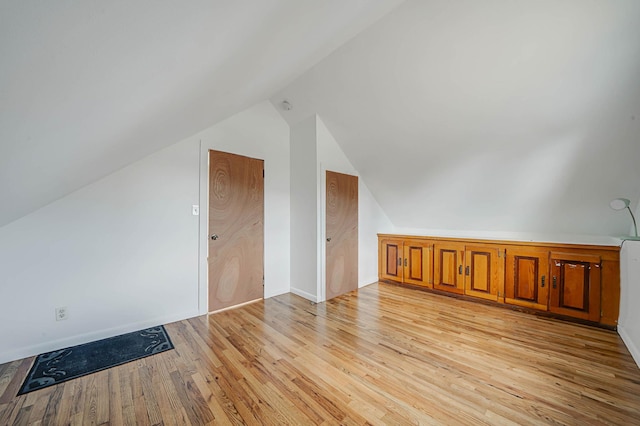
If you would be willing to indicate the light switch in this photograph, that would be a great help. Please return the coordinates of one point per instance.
(195, 210)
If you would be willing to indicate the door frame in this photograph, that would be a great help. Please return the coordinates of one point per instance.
(203, 222)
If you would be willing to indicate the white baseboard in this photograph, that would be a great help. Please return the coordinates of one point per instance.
(633, 349)
(276, 292)
(367, 281)
(302, 293)
(28, 351)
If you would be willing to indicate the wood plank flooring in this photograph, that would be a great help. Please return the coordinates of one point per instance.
(382, 355)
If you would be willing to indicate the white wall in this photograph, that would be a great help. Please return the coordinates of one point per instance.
(123, 253)
(259, 132)
(119, 254)
(371, 218)
(371, 221)
(165, 70)
(314, 150)
(304, 210)
(490, 116)
(629, 322)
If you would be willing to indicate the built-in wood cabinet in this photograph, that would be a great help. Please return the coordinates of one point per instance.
(448, 263)
(569, 280)
(473, 270)
(575, 285)
(527, 277)
(390, 260)
(406, 261)
(417, 263)
(483, 271)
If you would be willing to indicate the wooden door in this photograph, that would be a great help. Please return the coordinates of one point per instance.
(236, 230)
(417, 264)
(448, 259)
(527, 278)
(391, 252)
(482, 271)
(342, 234)
(575, 285)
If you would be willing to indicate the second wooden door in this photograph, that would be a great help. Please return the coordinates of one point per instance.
(236, 230)
(342, 234)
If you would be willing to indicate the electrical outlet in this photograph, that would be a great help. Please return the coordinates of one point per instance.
(61, 314)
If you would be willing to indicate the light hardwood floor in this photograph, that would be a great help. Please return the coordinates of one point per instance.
(382, 355)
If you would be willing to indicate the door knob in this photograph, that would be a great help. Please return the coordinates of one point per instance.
(214, 237)
(329, 239)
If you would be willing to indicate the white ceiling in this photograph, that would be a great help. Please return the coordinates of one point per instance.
(89, 87)
(497, 115)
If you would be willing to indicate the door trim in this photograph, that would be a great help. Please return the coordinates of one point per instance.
(203, 224)
(250, 230)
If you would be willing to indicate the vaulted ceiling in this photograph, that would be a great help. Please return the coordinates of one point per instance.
(515, 116)
(89, 87)
(491, 115)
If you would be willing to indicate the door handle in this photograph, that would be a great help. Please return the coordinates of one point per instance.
(399, 261)
(460, 269)
(555, 281)
(542, 284)
(214, 237)
(405, 261)
(328, 239)
(466, 270)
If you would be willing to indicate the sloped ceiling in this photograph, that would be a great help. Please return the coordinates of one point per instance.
(87, 87)
(515, 116)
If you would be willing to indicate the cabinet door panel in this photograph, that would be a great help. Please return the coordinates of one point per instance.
(448, 262)
(418, 263)
(526, 278)
(480, 278)
(391, 253)
(526, 282)
(449, 267)
(482, 272)
(575, 287)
